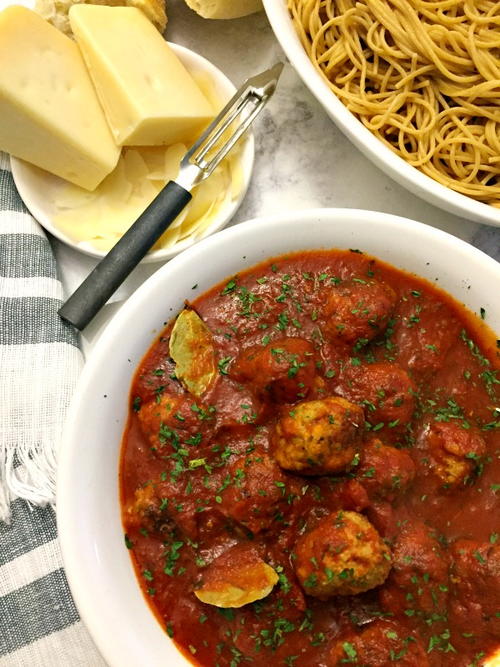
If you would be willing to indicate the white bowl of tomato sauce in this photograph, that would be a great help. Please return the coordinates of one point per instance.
(312, 479)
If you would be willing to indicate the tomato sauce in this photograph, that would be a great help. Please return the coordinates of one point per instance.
(226, 470)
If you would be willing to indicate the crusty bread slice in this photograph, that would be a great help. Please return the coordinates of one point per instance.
(56, 11)
(224, 9)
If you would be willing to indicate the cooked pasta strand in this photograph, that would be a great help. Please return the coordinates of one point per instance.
(422, 75)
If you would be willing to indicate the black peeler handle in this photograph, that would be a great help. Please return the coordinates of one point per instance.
(111, 271)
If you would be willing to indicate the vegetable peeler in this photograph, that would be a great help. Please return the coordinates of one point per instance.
(196, 165)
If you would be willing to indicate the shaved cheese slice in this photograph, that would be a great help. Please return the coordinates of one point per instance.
(155, 161)
(163, 163)
(206, 194)
(117, 186)
(135, 166)
(72, 197)
(101, 217)
(173, 157)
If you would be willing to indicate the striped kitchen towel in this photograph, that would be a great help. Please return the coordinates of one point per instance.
(39, 366)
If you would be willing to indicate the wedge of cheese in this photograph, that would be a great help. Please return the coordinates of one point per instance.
(149, 98)
(49, 112)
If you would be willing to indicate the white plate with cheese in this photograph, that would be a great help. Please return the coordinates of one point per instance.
(93, 220)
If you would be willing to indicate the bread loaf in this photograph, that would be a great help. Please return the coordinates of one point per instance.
(56, 11)
(224, 9)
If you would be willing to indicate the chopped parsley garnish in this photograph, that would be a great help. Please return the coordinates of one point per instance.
(223, 364)
(350, 651)
(172, 556)
(230, 286)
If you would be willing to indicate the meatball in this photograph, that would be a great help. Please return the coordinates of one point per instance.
(381, 515)
(351, 495)
(475, 575)
(288, 597)
(384, 471)
(255, 491)
(342, 555)
(419, 577)
(358, 310)
(235, 404)
(377, 644)
(143, 508)
(284, 369)
(147, 510)
(318, 437)
(174, 418)
(384, 390)
(452, 451)
(422, 348)
(163, 505)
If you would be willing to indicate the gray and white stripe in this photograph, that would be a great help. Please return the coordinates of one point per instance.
(39, 366)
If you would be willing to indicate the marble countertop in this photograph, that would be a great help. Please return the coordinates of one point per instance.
(302, 158)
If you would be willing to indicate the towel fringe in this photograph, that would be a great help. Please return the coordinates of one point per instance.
(33, 478)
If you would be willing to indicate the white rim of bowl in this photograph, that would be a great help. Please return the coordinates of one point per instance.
(392, 226)
(228, 209)
(381, 155)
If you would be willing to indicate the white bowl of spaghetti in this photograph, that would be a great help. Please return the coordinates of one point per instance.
(414, 85)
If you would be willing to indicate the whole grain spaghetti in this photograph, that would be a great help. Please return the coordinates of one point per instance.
(422, 75)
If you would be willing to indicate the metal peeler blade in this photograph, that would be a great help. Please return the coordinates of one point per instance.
(249, 100)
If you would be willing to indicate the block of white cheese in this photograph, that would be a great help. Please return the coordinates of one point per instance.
(148, 96)
(49, 112)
